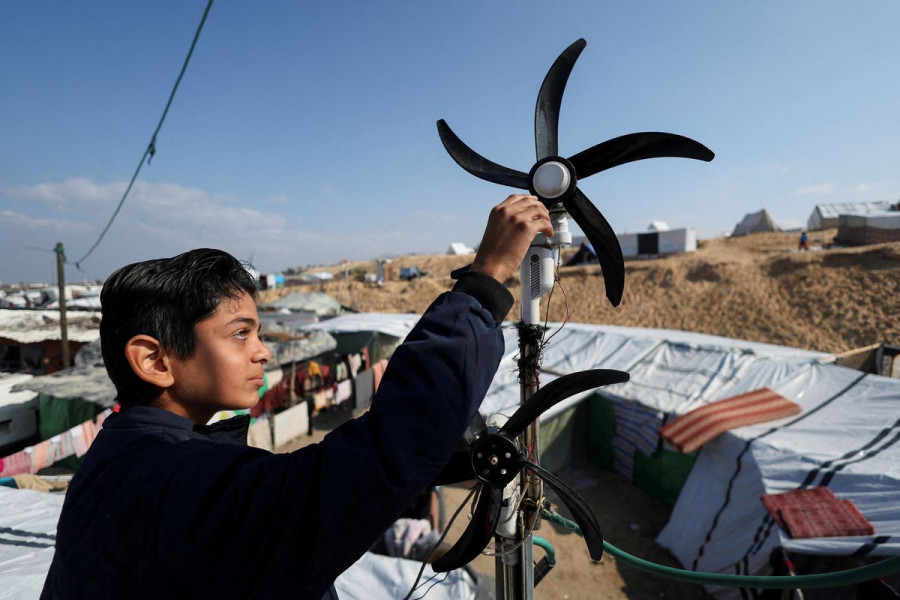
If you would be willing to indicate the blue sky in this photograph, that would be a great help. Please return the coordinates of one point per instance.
(304, 133)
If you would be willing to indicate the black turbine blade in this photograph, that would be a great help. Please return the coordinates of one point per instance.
(581, 512)
(636, 146)
(459, 468)
(477, 534)
(557, 391)
(603, 239)
(546, 112)
(475, 428)
(478, 165)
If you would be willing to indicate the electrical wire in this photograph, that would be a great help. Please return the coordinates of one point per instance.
(415, 585)
(151, 148)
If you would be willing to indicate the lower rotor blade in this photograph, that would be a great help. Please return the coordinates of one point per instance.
(556, 391)
(476, 164)
(477, 534)
(581, 512)
(603, 239)
(459, 468)
(637, 146)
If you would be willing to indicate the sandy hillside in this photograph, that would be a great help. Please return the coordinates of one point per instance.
(756, 287)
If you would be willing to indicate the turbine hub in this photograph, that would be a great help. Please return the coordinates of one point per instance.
(551, 179)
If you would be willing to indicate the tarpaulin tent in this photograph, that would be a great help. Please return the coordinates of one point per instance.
(755, 222)
(824, 216)
(846, 438)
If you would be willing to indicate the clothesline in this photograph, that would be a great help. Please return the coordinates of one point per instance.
(75, 441)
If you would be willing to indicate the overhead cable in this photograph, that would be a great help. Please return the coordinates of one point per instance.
(151, 147)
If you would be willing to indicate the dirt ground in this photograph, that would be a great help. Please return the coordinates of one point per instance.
(757, 287)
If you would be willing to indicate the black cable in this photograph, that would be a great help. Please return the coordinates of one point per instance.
(415, 584)
(151, 148)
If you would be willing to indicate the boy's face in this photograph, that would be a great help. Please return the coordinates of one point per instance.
(226, 370)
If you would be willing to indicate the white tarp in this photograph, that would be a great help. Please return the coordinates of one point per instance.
(671, 371)
(389, 324)
(846, 438)
(28, 534)
(27, 537)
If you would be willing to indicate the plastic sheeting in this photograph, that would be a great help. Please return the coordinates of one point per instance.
(847, 437)
(28, 534)
(671, 371)
(27, 537)
(377, 577)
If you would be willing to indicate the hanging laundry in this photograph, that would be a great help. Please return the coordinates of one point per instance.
(378, 371)
(20, 462)
(343, 391)
(365, 388)
(354, 362)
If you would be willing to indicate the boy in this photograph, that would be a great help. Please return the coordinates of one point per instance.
(165, 506)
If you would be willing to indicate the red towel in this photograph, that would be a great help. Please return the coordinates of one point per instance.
(689, 432)
(816, 512)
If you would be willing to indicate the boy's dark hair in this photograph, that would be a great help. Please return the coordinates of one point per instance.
(164, 298)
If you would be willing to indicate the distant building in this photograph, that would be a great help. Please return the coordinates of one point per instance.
(870, 228)
(658, 240)
(825, 216)
(458, 248)
(30, 339)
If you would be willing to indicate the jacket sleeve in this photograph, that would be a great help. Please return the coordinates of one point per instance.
(300, 519)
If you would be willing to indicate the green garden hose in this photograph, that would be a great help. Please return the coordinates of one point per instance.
(822, 580)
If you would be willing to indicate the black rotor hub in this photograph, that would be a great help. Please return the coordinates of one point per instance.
(496, 459)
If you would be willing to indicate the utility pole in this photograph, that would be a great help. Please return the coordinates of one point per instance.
(61, 280)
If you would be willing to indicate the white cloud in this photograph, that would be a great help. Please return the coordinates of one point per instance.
(17, 221)
(71, 191)
(815, 190)
(864, 187)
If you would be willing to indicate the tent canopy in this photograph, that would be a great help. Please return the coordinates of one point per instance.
(755, 222)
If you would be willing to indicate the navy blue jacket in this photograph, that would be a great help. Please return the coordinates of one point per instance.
(161, 508)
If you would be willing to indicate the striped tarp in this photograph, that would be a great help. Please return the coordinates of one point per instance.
(690, 431)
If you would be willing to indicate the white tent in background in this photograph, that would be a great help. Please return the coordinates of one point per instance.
(824, 216)
(458, 248)
(755, 222)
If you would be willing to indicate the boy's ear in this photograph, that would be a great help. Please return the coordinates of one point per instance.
(149, 360)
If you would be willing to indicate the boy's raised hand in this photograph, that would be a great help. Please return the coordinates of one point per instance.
(510, 228)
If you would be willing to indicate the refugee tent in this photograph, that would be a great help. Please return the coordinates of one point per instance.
(18, 411)
(459, 248)
(658, 240)
(825, 216)
(380, 333)
(585, 255)
(845, 439)
(317, 303)
(754, 223)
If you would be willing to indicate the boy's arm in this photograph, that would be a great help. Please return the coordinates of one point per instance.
(307, 516)
(430, 391)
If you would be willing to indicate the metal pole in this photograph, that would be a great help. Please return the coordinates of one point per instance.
(514, 565)
(61, 281)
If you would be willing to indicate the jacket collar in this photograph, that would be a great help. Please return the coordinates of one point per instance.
(228, 431)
